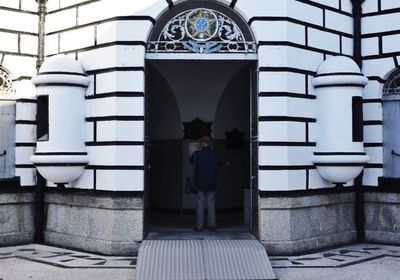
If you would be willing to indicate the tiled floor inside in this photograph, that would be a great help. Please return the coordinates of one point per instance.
(231, 221)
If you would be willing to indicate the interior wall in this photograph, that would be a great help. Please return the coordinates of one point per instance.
(214, 91)
(197, 84)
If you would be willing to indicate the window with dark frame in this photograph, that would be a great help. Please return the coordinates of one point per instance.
(43, 118)
(358, 128)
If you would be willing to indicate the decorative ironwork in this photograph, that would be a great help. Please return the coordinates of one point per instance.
(201, 30)
(392, 86)
(195, 129)
(5, 83)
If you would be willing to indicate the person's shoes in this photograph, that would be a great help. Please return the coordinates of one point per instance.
(212, 229)
(197, 229)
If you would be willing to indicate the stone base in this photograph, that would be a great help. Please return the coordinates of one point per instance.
(105, 223)
(382, 218)
(16, 218)
(290, 225)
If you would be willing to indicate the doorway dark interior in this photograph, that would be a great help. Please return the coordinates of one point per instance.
(186, 98)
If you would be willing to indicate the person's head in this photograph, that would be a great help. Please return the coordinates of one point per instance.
(205, 141)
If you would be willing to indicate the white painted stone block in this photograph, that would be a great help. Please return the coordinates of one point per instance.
(20, 65)
(107, 9)
(373, 134)
(391, 43)
(251, 8)
(116, 155)
(371, 175)
(120, 131)
(67, 3)
(78, 39)
(316, 181)
(281, 131)
(51, 44)
(370, 6)
(312, 132)
(283, 56)
(304, 59)
(115, 106)
(272, 106)
(113, 56)
(120, 180)
(26, 22)
(120, 81)
(29, 44)
(281, 81)
(53, 5)
(61, 20)
(390, 4)
(370, 46)
(30, 5)
(347, 46)
(27, 176)
(378, 67)
(85, 181)
(26, 111)
(330, 3)
(373, 90)
(286, 106)
(272, 56)
(339, 22)
(282, 180)
(10, 4)
(25, 133)
(89, 131)
(323, 40)
(375, 154)
(25, 89)
(380, 23)
(127, 30)
(23, 154)
(372, 111)
(279, 31)
(347, 6)
(281, 155)
(304, 12)
(9, 42)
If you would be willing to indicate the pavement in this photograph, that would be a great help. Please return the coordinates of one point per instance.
(360, 261)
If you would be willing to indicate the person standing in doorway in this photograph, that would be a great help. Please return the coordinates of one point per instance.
(206, 162)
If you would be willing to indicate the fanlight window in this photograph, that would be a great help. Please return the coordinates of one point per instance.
(202, 30)
(392, 86)
(5, 83)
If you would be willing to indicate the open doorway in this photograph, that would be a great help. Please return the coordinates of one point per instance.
(185, 99)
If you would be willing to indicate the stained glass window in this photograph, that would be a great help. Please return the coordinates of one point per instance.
(202, 30)
(5, 83)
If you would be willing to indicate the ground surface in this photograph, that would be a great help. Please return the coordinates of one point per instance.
(362, 261)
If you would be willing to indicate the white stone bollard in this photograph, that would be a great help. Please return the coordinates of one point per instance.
(339, 155)
(61, 154)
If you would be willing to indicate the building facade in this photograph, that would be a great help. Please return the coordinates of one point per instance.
(277, 84)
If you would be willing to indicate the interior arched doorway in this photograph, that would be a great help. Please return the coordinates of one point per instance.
(201, 66)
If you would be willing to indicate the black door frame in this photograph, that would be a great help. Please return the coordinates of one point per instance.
(253, 128)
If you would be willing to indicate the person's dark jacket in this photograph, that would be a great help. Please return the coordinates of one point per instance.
(206, 167)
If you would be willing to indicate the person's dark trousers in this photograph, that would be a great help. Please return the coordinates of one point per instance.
(203, 197)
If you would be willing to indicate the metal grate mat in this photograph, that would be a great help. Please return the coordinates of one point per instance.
(203, 259)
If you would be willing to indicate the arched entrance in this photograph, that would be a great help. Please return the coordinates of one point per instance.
(200, 79)
(391, 133)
